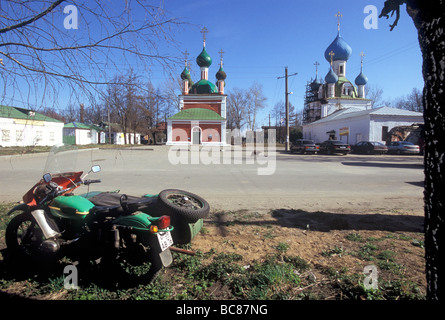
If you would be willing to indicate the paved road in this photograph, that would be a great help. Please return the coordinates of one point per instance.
(297, 181)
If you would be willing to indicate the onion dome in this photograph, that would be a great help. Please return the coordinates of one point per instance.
(331, 77)
(204, 60)
(315, 85)
(204, 86)
(361, 79)
(341, 49)
(185, 75)
(221, 75)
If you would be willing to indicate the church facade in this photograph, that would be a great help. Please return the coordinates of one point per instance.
(202, 116)
(337, 109)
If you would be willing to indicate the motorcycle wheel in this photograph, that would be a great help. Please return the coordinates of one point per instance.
(184, 205)
(24, 237)
(134, 264)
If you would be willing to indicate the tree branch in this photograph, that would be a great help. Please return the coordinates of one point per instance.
(35, 18)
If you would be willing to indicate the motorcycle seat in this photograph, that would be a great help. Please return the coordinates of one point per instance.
(113, 201)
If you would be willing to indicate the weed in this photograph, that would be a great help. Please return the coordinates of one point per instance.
(282, 247)
(336, 251)
(367, 251)
(354, 237)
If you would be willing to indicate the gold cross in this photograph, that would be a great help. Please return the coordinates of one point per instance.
(204, 31)
(338, 15)
(332, 54)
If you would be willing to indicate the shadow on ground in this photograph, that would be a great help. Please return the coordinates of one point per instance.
(327, 221)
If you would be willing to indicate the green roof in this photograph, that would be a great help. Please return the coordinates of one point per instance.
(204, 86)
(196, 114)
(78, 125)
(338, 92)
(21, 113)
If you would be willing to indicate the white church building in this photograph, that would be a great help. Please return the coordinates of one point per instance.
(336, 109)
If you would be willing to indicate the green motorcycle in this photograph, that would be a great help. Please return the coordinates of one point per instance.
(131, 238)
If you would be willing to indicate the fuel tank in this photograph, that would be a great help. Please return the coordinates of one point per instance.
(71, 207)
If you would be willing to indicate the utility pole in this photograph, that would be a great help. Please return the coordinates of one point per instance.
(286, 94)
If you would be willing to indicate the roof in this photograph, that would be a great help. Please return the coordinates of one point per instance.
(338, 88)
(78, 125)
(204, 86)
(358, 112)
(196, 114)
(21, 113)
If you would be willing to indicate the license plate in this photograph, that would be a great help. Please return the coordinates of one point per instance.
(165, 240)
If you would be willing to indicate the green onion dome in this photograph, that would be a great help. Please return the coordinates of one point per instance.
(204, 60)
(221, 75)
(185, 74)
(203, 87)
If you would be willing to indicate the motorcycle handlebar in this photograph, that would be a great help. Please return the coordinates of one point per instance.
(87, 182)
(53, 190)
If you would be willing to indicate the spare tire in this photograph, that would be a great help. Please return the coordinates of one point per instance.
(184, 205)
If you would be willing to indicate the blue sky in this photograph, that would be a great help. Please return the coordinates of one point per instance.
(261, 37)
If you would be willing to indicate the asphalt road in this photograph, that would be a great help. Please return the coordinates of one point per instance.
(240, 180)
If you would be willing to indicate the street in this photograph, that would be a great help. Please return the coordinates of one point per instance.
(310, 182)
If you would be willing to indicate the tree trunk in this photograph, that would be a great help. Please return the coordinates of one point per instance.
(428, 17)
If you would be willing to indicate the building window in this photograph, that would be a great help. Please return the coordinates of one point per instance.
(6, 135)
(19, 135)
(39, 135)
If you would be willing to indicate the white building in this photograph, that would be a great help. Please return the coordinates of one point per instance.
(117, 134)
(336, 109)
(23, 127)
(353, 125)
(81, 133)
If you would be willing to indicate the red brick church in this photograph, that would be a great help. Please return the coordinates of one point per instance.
(202, 116)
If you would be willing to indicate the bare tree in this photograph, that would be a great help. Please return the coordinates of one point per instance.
(237, 101)
(428, 18)
(375, 94)
(256, 102)
(411, 102)
(47, 46)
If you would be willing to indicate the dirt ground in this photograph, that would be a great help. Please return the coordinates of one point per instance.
(320, 236)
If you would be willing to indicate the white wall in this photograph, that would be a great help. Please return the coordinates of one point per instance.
(377, 122)
(360, 128)
(17, 132)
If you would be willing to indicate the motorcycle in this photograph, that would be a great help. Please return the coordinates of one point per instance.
(130, 237)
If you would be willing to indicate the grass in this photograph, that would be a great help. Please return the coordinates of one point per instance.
(214, 275)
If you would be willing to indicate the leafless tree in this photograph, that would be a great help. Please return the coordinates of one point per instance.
(237, 101)
(48, 46)
(411, 102)
(375, 94)
(256, 102)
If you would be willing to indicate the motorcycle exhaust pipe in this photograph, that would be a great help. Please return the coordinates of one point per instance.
(39, 215)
